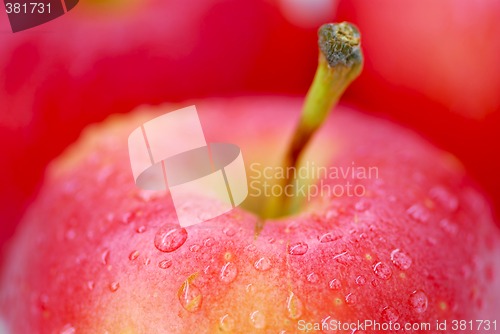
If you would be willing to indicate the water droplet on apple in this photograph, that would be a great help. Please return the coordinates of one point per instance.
(313, 278)
(229, 231)
(418, 301)
(114, 286)
(400, 259)
(271, 240)
(141, 229)
(194, 248)
(68, 329)
(448, 227)
(390, 314)
(105, 257)
(362, 205)
(90, 285)
(361, 280)
(164, 264)
(209, 242)
(351, 299)
(134, 255)
(299, 248)
(251, 248)
(170, 237)
(445, 198)
(190, 297)
(250, 288)
(228, 272)
(382, 270)
(332, 213)
(328, 237)
(294, 306)
(262, 264)
(419, 213)
(128, 217)
(226, 323)
(334, 284)
(258, 319)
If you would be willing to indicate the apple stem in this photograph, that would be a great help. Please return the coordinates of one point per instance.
(340, 62)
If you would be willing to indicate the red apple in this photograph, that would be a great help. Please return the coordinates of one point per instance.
(93, 253)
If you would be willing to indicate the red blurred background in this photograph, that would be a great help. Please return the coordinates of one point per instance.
(432, 66)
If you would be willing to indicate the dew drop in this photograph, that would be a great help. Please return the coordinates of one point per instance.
(228, 272)
(229, 231)
(351, 299)
(362, 205)
(209, 242)
(262, 264)
(251, 248)
(444, 198)
(165, 264)
(194, 248)
(361, 280)
(448, 227)
(400, 259)
(128, 217)
(190, 296)
(141, 229)
(419, 213)
(418, 301)
(334, 284)
(299, 248)
(294, 306)
(134, 255)
(91, 285)
(382, 270)
(328, 237)
(313, 278)
(170, 237)
(250, 288)
(390, 314)
(258, 319)
(226, 323)
(114, 286)
(105, 257)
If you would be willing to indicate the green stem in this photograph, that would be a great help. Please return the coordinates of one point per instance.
(340, 62)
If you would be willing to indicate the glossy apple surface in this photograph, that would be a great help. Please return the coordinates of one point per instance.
(95, 253)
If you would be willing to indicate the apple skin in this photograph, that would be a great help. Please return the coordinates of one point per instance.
(85, 257)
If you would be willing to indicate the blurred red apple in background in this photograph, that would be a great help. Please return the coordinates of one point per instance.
(96, 253)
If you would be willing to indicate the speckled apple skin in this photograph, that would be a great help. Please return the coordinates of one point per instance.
(419, 246)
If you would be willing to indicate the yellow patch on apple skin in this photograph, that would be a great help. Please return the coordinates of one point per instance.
(228, 256)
